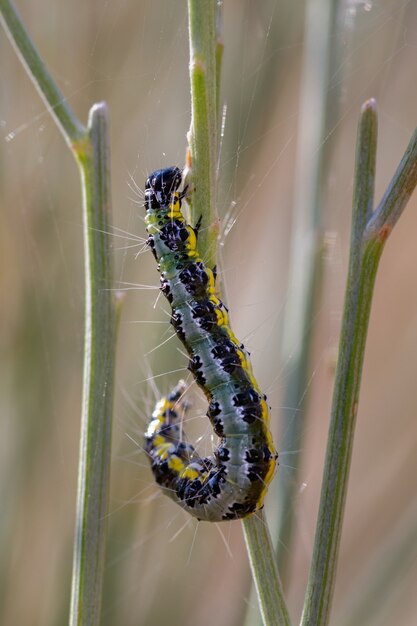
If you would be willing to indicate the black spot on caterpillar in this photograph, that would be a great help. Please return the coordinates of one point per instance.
(233, 482)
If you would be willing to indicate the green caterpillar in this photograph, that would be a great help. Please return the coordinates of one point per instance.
(231, 483)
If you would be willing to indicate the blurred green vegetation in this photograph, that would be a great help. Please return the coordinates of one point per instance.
(163, 568)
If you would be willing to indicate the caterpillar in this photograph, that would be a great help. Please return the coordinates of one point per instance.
(233, 481)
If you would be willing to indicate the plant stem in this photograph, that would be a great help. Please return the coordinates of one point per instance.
(205, 59)
(352, 344)
(94, 464)
(397, 194)
(205, 62)
(91, 149)
(367, 242)
(265, 571)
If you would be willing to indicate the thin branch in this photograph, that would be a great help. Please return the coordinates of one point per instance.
(97, 406)
(205, 62)
(91, 149)
(367, 243)
(205, 65)
(397, 194)
(264, 568)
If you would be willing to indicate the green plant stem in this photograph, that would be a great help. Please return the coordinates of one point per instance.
(265, 571)
(94, 464)
(397, 194)
(367, 243)
(219, 59)
(91, 149)
(65, 119)
(205, 60)
(361, 275)
(205, 69)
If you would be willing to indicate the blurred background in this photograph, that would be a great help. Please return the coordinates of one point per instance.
(163, 568)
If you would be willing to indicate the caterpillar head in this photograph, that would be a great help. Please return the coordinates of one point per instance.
(160, 186)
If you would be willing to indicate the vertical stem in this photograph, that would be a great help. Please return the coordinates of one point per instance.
(265, 571)
(205, 59)
(370, 231)
(94, 464)
(363, 265)
(91, 148)
(205, 62)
